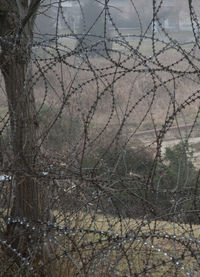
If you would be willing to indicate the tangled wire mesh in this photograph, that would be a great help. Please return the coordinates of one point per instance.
(89, 185)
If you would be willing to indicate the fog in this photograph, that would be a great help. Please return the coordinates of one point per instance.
(80, 16)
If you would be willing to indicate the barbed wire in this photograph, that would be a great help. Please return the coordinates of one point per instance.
(112, 203)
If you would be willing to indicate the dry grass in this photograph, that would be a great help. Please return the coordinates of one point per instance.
(157, 242)
(62, 85)
(126, 92)
(79, 88)
(148, 248)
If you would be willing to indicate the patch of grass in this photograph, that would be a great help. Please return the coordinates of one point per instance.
(145, 256)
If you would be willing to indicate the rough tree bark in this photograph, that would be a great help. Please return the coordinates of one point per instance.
(16, 31)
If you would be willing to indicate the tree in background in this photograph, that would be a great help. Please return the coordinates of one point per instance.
(45, 23)
(93, 30)
(180, 171)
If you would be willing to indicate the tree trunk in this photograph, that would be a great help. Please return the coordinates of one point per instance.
(15, 64)
(23, 126)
